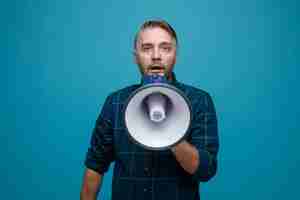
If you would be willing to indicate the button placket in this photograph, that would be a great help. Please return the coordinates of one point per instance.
(147, 171)
(147, 189)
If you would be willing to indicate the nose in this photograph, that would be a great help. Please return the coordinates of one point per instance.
(156, 54)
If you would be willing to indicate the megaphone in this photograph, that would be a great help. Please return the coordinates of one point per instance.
(157, 115)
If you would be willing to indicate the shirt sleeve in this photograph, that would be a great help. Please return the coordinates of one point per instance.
(100, 152)
(204, 136)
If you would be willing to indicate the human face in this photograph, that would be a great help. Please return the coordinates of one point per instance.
(155, 52)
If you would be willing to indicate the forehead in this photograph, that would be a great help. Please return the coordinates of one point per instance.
(154, 35)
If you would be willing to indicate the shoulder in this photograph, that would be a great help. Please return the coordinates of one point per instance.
(197, 96)
(193, 91)
(123, 93)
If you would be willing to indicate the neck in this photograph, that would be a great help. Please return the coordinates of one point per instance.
(170, 77)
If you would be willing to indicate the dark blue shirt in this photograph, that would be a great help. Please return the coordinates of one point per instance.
(155, 175)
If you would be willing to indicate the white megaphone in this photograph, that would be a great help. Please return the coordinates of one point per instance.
(157, 115)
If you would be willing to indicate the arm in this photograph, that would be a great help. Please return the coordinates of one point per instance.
(100, 153)
(187, 156)
(91, 185)
(198, 154)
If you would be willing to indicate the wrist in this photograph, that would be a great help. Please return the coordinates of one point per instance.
(173, 149)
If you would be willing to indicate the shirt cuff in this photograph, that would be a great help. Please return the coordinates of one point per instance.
(206, 169)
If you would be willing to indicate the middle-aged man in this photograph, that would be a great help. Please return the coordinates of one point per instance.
(141, 174)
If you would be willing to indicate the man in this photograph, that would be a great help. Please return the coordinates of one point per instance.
(144, 174)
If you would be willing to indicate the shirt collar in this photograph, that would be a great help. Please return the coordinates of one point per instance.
(173, 81)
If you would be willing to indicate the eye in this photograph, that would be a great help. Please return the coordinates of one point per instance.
(146, 48)
(166, 48)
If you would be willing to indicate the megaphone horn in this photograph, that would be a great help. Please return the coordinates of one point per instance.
(157, 115)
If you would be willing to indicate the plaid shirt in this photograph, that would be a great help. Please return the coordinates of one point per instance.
(155, 175)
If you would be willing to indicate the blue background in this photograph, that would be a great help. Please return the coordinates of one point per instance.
(59, 60)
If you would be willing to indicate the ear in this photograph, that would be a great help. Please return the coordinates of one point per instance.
(134, 54)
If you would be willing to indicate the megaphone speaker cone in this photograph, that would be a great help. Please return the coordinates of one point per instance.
(157, 116)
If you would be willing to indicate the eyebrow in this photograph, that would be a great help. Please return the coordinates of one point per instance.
(147, 44)
(161, 44)
(166, 43)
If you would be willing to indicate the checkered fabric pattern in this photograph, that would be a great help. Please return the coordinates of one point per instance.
(141, 174)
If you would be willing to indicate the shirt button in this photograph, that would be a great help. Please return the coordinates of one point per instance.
(147, 189)
(147, 171)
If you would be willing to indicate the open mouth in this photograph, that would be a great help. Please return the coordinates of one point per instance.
(156, 69)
